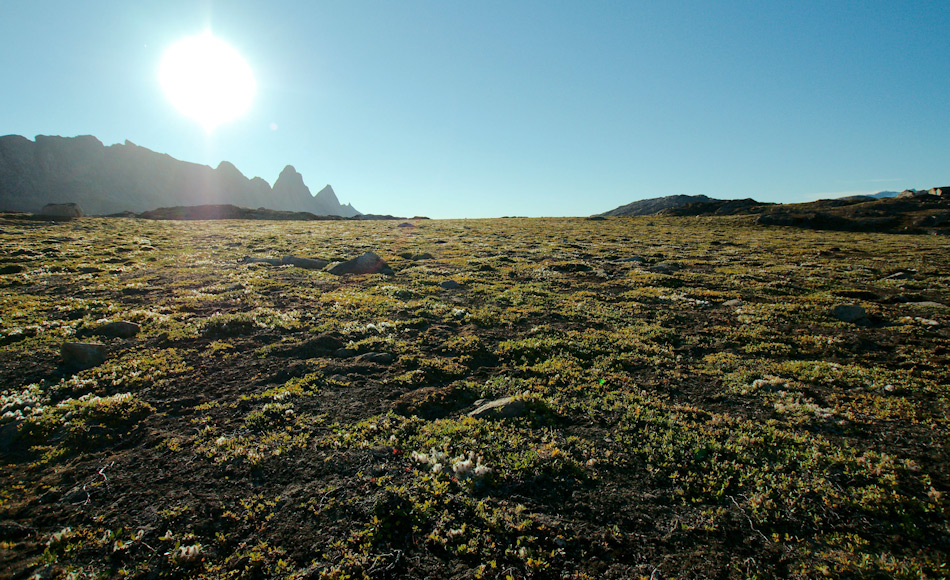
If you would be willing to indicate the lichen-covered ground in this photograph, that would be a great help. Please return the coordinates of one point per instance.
(689, 406)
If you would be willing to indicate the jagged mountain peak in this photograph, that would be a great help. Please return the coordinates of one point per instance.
(328, 194)
(129, 177)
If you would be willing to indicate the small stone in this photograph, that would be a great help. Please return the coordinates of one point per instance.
(733, 303)
(269, 261)
(927, 304)
(506, 408)
(305, 263)
(345, 352)
(422, 256)
(380, 358)
(11, 269)
(83, 355)
(118, 329)
(665, 268)
(450, 285)
(368, 263)
(849, 313)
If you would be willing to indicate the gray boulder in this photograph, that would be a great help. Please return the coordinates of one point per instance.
(368, 263)
(450, 285)
(83, 355)
(849, 313)
(118, 329)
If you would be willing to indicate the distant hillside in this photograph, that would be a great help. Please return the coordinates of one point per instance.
(686, 205)
(911, 211)
(129, 178)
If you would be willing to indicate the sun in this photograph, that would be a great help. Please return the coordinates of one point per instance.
(207, 80)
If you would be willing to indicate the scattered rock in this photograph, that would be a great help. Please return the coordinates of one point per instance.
(733, 303)
(250, 260)
(433, 402)
(405, 225)
(89, 270)
(118, 329)
(422, 256)
(634, 259)
(571, 267)
(305, 263)
(62, 210)
(902, 275)
(11, 269)
(506, 408)
(345, 352)
(849, 313)
(927, 304)
(83, 355)
(450, 285)
(380, 358)
(665, 268)
(368, 263)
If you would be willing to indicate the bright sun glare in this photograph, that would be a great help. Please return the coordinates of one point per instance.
(207, 80)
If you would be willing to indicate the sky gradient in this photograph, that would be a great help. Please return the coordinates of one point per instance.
(486, 109)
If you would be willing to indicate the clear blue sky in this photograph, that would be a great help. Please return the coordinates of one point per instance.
(483, 109)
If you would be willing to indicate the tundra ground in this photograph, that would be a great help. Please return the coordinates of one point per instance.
(689, 406)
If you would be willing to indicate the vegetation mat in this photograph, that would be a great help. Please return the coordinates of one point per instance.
(523, 398)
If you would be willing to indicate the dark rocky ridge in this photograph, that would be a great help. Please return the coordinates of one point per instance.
(911, 211)
(129, 178)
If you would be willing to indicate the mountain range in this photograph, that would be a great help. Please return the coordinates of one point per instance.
(129, 178)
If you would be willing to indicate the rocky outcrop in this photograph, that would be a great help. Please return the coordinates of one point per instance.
(655, 205)
(126, 177)
(62, 210)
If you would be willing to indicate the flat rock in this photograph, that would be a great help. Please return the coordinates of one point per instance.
(735, 303)
(902, 275)
(11, 269)
(83, 355)
(252, 260)
(500, 409)
(422, 256)
(368, 263)
(450, 285)
(118, 329)
(849, 313)
(927, 304)
(380, 358)
(305, 263)
(665, 268)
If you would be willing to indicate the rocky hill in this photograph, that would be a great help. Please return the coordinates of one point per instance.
(910, 211)
(129, 178)
(655, 205)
